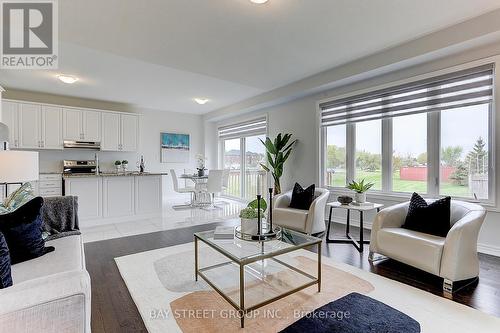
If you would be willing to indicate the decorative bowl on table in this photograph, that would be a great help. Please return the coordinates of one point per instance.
(344, 199)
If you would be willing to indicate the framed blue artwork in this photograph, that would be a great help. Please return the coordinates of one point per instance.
(174, 148)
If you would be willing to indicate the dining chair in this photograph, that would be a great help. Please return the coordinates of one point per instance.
(181, 190)
(214, 185)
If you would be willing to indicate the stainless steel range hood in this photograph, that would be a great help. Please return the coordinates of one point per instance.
(89, 145)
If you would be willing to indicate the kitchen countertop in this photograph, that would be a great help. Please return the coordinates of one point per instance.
(114, 174)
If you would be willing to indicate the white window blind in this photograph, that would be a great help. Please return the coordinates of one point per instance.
(247, 128)
(468, 87)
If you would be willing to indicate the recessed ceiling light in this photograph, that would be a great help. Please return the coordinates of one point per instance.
(67, 78)
(259, 1)
(201, 101)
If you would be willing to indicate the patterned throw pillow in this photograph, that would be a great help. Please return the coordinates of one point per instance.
(17, 198)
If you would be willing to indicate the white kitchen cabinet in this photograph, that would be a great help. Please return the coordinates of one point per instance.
(118, 196)
(82, 125)
(29, 126)
(110, 131)
(91, 121)
(72, 124)
(129, 132)
(51, 127)
(10, 117)
(148, 194)
(39, 127)
(114, 199)
(120, 132)
(89, 193)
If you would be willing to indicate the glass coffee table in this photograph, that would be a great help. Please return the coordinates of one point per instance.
(252, 274)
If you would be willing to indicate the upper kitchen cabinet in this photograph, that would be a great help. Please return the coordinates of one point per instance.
(120, 132)
(81, 125)
(10, 117)
(30, 132)
(40, 127)
(51, 127)
(129, 132)
(110, 131)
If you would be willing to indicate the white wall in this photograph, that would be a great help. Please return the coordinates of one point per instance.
(299, 117)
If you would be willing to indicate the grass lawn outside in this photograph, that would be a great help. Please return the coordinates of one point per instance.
(400, 185)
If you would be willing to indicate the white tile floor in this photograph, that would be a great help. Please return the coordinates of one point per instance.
(171, 219)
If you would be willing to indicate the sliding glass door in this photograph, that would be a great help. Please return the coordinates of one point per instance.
(242, 157)
(232, 162)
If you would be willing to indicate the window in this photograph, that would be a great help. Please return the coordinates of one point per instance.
(369, 152)
(335, 156)
(409, 156)
(464, 152)
(430, 136)
(241, 153)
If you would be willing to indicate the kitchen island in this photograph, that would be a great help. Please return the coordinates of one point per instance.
(115, 197)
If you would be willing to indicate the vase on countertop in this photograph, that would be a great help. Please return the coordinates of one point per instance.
(124, 167)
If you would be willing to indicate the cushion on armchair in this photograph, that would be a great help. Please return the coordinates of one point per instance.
(302, 198)
(433, 218)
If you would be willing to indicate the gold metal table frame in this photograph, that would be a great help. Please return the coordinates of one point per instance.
(242, 262)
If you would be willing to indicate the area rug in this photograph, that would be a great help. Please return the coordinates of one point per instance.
(362, 314)
(161, 283)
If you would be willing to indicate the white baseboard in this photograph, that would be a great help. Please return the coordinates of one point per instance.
(481, 248)
(489, 249)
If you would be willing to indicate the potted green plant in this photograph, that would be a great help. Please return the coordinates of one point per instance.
(277, 152)
(118, 165)
(359, 189)
(124, 165)
(249, 216)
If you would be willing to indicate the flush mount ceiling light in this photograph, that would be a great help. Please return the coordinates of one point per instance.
(67, 78)
(259, 1)
(201, 101)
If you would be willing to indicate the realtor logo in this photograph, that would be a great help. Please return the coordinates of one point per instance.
(29, 34)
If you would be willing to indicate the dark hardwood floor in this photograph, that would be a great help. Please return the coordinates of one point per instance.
(114, 311)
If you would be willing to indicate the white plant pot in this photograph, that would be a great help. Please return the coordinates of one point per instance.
(360, 197)
(249, 226)
(124, 167)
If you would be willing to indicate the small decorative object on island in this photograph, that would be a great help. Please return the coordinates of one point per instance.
(344, 199)
(118, 166)
(200, 165)
(124, 165)
(359, 190)
(142, 165)
(277, 153)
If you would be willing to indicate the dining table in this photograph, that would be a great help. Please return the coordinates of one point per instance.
(201, 197)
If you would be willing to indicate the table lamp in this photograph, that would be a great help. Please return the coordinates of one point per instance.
(18, 167)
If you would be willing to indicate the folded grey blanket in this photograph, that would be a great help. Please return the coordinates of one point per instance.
(60, 217)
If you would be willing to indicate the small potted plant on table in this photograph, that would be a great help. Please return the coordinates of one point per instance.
(124, 165)
(359, 189)
(249, 216)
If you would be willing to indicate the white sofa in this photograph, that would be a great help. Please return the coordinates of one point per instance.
(310, 221)
(50, 293)
(454, 257)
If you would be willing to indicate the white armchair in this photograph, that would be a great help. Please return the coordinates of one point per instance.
(310, 221)
(453, 257)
